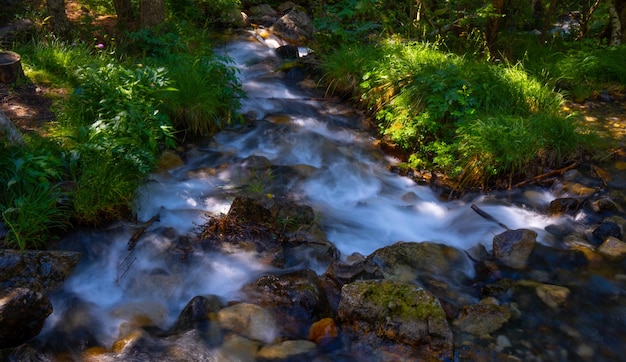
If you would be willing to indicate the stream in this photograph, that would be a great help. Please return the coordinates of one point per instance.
(340, 173)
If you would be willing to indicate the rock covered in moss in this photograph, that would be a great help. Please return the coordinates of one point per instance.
(376, 312)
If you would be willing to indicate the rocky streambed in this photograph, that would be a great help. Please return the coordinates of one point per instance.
(289, 239)
(514, 300)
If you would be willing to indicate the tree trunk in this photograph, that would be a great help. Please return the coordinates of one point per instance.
(547, 20)
(493, 23)
(616, 24)
(58, 18)
(620, 6)
(8, 131)
(125, 15)
(586, 16)
(151, 13)
(10, 67)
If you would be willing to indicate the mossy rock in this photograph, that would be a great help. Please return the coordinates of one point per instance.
(381, 311)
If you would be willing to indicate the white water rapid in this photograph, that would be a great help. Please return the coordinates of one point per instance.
(360, 204)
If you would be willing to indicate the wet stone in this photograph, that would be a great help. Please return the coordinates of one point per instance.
(323, 331)
(296, 299)
(613, 248)
(250, 321)
(605, 230)
(483, 318)
(554, 296)
(563, 205)
(196, 314)
(287, 351)
(22, 315)
(373, 312)
(513, 247)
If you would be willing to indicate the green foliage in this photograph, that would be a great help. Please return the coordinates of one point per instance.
(104, 189)
(501, 145)
(206, 13)
(344, 67)
(457, 115)
(30, 199)
(119, 115)
(154, 42)
(207, 95)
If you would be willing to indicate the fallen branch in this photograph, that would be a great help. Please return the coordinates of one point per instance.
(546, 175)
(137, 234)
(488, 217)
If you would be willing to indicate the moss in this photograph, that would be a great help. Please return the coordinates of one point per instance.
(402, 300)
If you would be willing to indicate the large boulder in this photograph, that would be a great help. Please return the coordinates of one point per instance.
(296, 27)
(375, 313)
(22, 315)
(441, 269)
(40, 271)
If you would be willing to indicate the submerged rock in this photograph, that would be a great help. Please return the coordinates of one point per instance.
(250, 321)
(483, 318)
(296, 300)
(287, 351)
(375, 312)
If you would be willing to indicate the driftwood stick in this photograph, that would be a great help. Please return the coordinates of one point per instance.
(488, 217)
(546, 175)
(615, 152)
(137, 234)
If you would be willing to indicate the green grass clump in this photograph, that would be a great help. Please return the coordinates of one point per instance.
(467, 118)
(207, 93)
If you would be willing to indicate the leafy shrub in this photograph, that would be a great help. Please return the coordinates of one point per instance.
(119, 113)
(30, 197)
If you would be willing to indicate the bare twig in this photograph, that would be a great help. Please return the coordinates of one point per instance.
(487, 216)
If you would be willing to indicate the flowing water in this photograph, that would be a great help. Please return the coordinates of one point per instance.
(361, 205)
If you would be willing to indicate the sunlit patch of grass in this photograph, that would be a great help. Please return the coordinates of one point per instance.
(207, 93)
(458, 115)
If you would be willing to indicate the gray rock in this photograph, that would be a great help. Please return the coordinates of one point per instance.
(40, 271)
(250, 321)
(483, 318)
(295, 27)
(513, 247)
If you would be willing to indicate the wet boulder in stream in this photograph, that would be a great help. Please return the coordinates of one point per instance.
(22, 315)
(25, 278)
(513, 247)
(383, 318)
(441, 269)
